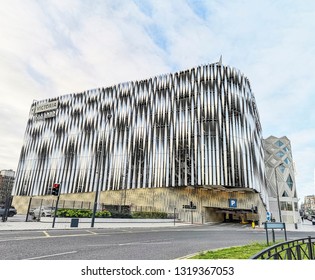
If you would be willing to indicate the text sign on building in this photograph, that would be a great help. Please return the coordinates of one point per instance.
(48, 106)
(190, 206)
(46, 115)
(232, 203)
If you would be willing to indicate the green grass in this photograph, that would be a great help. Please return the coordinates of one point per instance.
(249, 250)
(238, 252)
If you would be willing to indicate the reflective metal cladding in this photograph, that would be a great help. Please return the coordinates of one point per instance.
(198, 127)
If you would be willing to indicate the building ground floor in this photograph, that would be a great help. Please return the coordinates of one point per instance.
(286, 207)
(190, 204)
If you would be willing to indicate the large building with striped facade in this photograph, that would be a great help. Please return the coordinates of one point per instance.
(192, 136)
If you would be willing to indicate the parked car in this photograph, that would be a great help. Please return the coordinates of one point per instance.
(11, 212)
(45, 211)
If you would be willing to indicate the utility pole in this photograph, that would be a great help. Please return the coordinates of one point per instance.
(278, 197)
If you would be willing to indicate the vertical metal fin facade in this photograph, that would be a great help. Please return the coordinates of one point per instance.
(198, 127)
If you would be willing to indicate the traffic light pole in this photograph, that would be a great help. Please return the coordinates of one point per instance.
(56, 208)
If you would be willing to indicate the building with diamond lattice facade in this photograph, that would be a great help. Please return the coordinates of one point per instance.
(190, 137)
(280, 175)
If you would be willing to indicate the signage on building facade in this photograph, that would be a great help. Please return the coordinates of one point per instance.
(48, 106)
(190, 206)
(232, 203)
(45, 111)
(46, 115)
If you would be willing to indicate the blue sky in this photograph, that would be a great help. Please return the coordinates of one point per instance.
(51, 48)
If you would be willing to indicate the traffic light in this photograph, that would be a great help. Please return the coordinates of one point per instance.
(55, 190)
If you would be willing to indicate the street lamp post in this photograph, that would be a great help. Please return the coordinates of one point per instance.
(30, 201)
(125, 194)
(100, 160)
(277, 189)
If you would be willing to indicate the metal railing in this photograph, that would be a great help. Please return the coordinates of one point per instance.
(298, 249)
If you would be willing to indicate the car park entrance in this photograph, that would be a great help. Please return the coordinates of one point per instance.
(228, 215)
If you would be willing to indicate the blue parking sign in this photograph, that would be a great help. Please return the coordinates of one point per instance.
(268, 216)
(232, 203)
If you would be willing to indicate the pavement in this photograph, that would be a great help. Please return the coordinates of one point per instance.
(303, 226)
(18, 223)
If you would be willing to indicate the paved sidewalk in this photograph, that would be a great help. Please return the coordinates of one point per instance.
(306, 226)
(85, 223)
(18, 223)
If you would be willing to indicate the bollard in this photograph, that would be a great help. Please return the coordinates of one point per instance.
(253, 224)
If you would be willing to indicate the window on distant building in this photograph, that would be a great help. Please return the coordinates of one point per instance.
(287, 161)
(286, 149)
(280, 154)
(279, 143)
(285, 194)
(286, 206)
(282, 168)
(290, 182)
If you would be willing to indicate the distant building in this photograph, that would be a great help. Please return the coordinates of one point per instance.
(280, 175)
(309, 205)
(187, 139)
(6, 184)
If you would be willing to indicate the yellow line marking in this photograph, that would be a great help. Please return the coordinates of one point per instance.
(46, 233)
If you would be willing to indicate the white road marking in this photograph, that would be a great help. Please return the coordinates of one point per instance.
(53, 255)
(151, 242)
(91, 231)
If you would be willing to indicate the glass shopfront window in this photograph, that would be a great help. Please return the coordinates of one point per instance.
(286, 206)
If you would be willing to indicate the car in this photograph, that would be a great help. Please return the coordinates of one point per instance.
(11, 211)
(44, 211)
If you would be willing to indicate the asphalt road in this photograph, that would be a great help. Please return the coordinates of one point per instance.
(127, 244)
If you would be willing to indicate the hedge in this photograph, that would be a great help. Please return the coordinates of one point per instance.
(149, 215)
(81, 213)
(87, 213)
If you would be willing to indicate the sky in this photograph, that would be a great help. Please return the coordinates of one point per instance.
(51, 48)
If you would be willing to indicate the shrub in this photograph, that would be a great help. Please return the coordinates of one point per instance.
(81, 213)
(103, 214)
(121, 215)
(149, 215)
